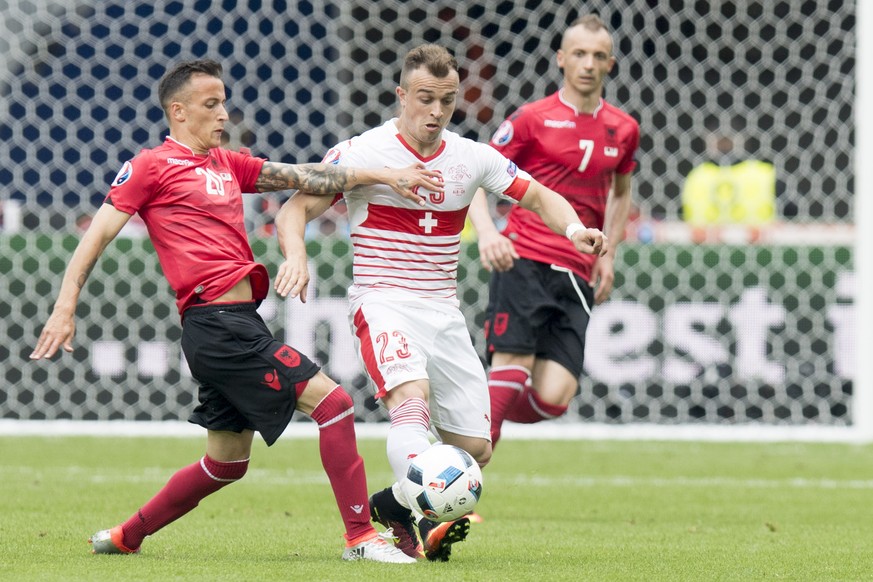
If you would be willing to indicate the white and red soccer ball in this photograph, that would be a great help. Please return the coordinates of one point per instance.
(443, 483)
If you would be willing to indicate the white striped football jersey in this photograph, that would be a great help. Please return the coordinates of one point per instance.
(411, 250)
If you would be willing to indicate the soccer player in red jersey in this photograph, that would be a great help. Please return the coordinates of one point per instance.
(404, 309)
(188, 191)
(542, 290)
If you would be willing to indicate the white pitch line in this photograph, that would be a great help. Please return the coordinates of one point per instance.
(285, 477)
(557, 430)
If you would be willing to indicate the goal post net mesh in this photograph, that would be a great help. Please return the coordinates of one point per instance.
(716, 333)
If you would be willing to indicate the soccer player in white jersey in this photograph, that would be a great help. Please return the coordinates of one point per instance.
(404, 308)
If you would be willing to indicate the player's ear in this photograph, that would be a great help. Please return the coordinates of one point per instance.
(401, 95)
(177, 111)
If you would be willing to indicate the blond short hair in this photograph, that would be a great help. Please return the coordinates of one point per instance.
(437, 59)
(590, 22)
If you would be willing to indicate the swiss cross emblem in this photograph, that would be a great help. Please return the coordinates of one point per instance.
(428, 222)
(500, 322)
(288, 356)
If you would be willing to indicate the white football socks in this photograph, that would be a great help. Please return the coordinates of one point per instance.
(407, 436)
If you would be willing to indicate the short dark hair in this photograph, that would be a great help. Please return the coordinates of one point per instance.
(438, 60)
(176, 78)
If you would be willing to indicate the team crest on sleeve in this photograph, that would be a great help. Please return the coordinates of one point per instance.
(504, 134)
(332, 156)
(123, 175)
(335, 153)
(512, 169)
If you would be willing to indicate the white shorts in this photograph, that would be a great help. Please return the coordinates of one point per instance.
(400, 341)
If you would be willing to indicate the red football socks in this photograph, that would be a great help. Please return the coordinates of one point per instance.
(341, 461)
(530, 408)
(181, 494)
(505, 385)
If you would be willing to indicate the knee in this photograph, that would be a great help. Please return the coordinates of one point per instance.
(343, 399)
(225, 472)
(316, 387)
(319, 388)
(238, 470)
(481, 452)
(417, 389)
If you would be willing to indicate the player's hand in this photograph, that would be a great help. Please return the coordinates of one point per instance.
(292, 279)
(603, 278)
(496, 252)
(591, 242)
(411, 182)
(58, 332)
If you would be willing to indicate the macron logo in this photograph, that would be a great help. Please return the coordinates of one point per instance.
(179, 162)
(560, 124)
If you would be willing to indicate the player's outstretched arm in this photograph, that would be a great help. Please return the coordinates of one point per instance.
(558, 215)
(496, 252)
(292, 278)
(330, 179)
(61, 326)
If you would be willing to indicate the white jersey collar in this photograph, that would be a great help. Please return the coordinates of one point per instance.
(180, 144)
(573, 107)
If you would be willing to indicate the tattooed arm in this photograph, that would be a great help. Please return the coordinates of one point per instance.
(330, 179)
(61, 326)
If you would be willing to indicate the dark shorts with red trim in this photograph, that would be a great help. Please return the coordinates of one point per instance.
(535, 309)
(247, 378)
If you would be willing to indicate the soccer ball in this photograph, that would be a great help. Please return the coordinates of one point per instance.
(443, 483)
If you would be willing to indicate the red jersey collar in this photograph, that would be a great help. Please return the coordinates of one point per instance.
(418, 155)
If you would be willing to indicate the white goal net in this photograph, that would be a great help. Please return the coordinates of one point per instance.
(722, 334)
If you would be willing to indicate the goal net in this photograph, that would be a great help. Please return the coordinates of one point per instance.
(732, 328)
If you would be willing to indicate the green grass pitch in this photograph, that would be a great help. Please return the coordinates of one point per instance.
(578, 510)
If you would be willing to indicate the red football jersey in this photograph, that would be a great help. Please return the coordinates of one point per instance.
(574, 154)
(192, 206)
